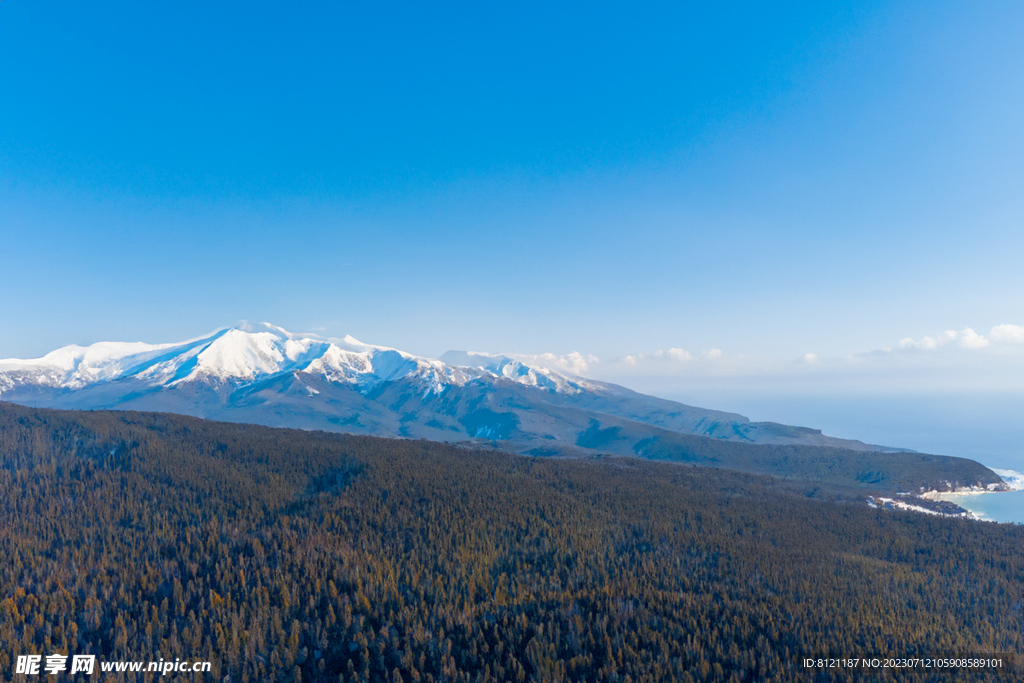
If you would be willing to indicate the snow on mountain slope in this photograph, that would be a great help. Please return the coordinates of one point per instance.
(74, 367)
(242, 355)
(503, 366)
(264, 373)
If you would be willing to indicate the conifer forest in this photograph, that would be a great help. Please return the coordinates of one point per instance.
(284, 555)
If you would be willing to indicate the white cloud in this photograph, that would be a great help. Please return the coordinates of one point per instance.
(1010, 334)
(924, 343)
(965, 338)
(574, 363)
(677, 362)
(672, 355)
(954, 359)
(679, 354)
(969, 339)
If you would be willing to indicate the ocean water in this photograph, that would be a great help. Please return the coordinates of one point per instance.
(998, 507)
(985, 428)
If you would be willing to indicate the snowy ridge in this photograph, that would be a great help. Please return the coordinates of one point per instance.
(503, 366)
(77, 366)
(248, 354)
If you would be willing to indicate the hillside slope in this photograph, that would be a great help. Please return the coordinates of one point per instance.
(284, 555)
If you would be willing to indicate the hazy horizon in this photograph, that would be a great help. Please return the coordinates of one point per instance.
(981, 425)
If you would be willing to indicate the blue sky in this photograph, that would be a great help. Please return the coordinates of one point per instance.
(745, 183)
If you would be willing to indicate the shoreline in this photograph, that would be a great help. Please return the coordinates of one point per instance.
(983, 506)
(1012, 481)
(938, 495)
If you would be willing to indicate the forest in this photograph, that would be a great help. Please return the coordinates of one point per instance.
(287, 555)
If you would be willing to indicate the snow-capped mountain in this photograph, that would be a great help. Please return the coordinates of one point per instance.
(244, 355)
(266, 375)
(221, 375)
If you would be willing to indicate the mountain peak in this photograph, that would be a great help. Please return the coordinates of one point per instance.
(248, 353)
(266, 374)
(476, 359)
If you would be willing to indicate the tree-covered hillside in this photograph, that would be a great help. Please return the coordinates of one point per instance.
(284, 555)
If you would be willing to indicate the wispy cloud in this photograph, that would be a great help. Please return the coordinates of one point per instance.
(963, 357)
(965, 338)
(673, 354)
(574, 363)
(669, 362)
(1008, 334)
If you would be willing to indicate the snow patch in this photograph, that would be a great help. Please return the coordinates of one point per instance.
(1013, 479)
(897, 504)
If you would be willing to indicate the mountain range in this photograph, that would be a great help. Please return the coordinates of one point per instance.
(266, 375)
